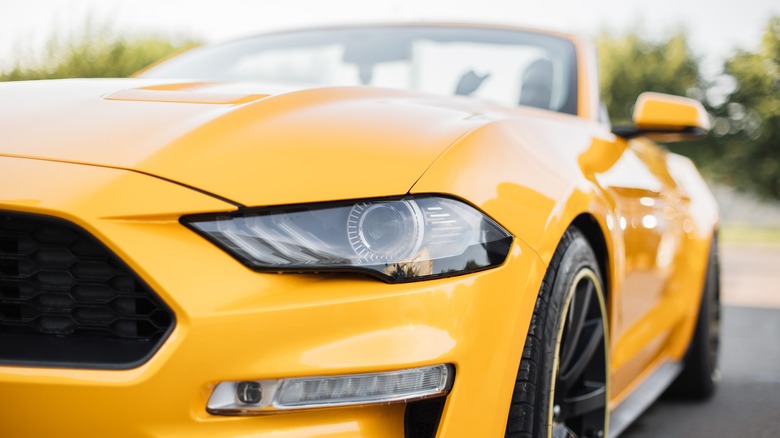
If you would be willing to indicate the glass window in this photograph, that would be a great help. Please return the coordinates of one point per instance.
(502, 66)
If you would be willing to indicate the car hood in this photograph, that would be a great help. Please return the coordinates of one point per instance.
(253, 145)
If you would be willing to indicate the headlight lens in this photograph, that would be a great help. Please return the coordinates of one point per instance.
(394, 239)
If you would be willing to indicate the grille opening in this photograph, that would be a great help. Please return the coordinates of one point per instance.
(55, 258)
(421, 419)
(11, 311)
(67, 300)
(9, 245)
(9, 268)
(10, 290)
(54, 302)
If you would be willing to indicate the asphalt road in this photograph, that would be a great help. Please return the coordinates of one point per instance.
(747, 401)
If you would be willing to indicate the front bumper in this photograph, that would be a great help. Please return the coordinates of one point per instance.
(236, 324)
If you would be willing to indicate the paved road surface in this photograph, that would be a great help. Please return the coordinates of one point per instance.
(747, 403)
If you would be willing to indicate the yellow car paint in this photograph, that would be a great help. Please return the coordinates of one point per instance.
(233, 323)
(662, 111)
(125, 159)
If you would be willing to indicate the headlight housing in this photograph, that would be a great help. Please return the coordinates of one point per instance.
(394, 239)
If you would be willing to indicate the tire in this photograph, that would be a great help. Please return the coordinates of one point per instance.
(700, 374)
(561, 386)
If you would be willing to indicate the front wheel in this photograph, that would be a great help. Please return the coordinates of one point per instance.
(561, 386)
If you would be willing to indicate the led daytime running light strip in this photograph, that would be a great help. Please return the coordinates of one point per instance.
(253, 397)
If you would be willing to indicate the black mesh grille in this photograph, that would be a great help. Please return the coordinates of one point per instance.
(422, 418)
(67, 300)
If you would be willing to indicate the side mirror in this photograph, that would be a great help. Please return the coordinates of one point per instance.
(666, 118)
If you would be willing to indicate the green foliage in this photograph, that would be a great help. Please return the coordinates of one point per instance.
(630, 65)
(747, 128)
(96, 52)
(743, 149)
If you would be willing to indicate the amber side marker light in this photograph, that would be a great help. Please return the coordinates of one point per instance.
(254, 397)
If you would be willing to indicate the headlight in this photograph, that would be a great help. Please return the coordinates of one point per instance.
(394, 239)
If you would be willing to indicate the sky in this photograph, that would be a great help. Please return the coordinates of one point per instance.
(715, 27)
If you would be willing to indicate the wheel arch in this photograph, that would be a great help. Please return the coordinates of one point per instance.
(590, 228)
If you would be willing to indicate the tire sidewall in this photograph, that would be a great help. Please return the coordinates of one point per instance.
(578, 256)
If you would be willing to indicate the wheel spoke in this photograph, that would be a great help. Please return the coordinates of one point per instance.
(576, 322)
(592, 338)
(580, 387)
(581, 404)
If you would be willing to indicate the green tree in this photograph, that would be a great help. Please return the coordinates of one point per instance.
(746, 132)
(743, 148)
(95, 52)
(630, 65)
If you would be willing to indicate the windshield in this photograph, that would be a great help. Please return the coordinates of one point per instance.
(506, 67)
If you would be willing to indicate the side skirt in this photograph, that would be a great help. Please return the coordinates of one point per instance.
(642, 397)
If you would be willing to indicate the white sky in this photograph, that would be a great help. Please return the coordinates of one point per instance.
(716, 27)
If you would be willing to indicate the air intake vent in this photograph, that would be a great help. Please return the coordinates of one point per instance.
(66, 300)
(422, 418)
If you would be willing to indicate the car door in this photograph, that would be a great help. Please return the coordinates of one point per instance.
(646, 226)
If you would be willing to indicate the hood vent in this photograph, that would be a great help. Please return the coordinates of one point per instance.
(190, 92)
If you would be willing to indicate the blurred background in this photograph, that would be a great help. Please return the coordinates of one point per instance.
(726, 54)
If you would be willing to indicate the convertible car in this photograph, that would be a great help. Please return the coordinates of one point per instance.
(367, 231)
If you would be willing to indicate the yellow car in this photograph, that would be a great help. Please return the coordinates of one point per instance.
(390, 231)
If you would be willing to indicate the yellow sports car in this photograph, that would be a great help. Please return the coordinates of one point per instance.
(390, 231)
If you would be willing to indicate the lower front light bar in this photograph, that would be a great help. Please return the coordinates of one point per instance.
(253, 397)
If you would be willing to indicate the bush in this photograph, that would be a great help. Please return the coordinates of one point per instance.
(96, 52)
